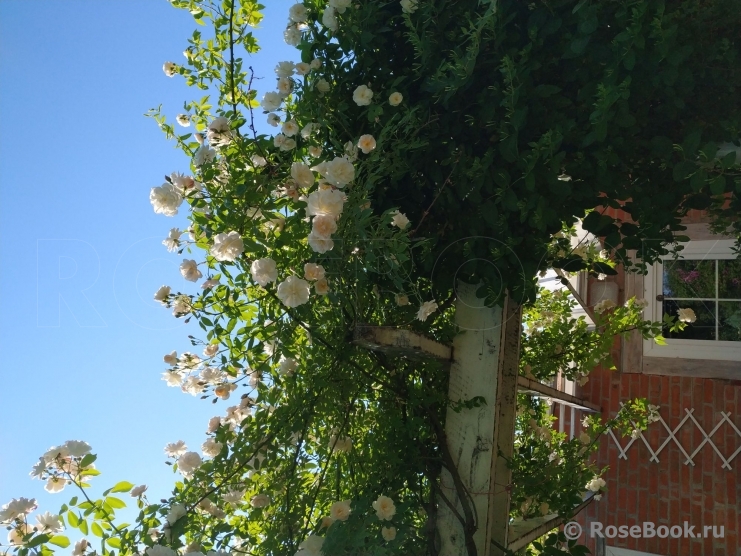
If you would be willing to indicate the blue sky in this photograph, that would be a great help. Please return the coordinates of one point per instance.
(77, 160)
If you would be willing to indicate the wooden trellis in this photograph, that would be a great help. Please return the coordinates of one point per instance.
(689, 458)
(483, 361)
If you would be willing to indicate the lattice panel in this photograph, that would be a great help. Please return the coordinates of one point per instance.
(689, 458)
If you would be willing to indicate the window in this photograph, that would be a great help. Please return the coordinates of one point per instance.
(706, 279)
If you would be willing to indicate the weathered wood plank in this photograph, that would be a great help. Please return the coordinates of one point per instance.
(525, 532)
(400, 342)
(529, 386)
(497, 524)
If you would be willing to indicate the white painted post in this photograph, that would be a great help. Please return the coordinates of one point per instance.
(473, 435)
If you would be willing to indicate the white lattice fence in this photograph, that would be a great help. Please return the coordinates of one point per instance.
(689, 458)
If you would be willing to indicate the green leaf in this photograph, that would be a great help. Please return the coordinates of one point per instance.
(728, 160)
(114, 502)
(123, 486)
(37, 540)
(72, 518)
(87, 460)
(115, 542)
(718, 185)
(83, 527)
(96, 529)
(683, 169)
(60, 540)
(660, 340)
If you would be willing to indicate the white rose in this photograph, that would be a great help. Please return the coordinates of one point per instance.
(313, 271)
(213, 424)
(322, 86)
(176, 512)
(408, 6)
(388, 533)
(362, 96)
(260, 501)
(340, 5)
(211, 350)
(687, 315)
(426, 309)
(80, 547)
(315, 64)
(340, 171)
(211, 448)
(325, 202)
(297, 13)
(366, 143)
(162, 294)
(271, 101)
(384, 507)
(604, 305)
(137, 491)
(219, 132)
(165, 199)
(287, 366)
(181, 305)
(169, 68)
(324, 226)
(159, 550)
(401, 299)
(321, 287)
(301, 173)
(183, 120)
(340, 510)
(290, 128)
(273, 119)
(188, 463)
(400, 220)
(302, 68)
(172, 242)
(55, 484)
(329, 18)
(315, 152)
(175, 449)
(203, 155)
(307, 129)
(395, 99)
(227, 247)
(288, 144)
(320, 244)
(189, 270)
(284, 69)
(264, 271)
(285, 86)
(312, 546)
(293, 291)
(49, 523)
(292, 36)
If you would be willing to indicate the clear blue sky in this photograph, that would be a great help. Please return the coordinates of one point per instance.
(77, 160)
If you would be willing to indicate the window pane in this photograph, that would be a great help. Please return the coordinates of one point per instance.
(729, 313)
(689, 278)
(729, 276)
(702, 329)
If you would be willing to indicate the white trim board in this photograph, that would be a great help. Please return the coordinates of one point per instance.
(611, 551)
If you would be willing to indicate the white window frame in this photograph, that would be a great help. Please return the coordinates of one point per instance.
(614, 551)
(688, 349)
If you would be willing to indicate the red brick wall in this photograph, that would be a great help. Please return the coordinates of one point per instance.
(670, 492)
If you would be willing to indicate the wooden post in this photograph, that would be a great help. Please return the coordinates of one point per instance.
(485, 357)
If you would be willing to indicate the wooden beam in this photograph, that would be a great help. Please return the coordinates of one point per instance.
(470, 432)
(533, 387)
(524, 532)
(497, 524)
(400, 343)
(587, 309)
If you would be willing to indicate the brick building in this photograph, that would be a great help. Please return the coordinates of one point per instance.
(687, 466)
